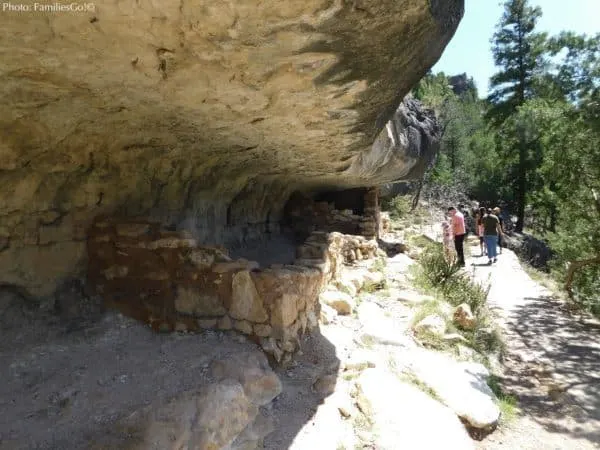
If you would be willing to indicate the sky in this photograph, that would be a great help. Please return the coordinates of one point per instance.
(470, 49)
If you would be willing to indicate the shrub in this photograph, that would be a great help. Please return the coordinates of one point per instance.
(460, 289)
(435, 267)
(398, 206)
(445, 280)
(455, 287)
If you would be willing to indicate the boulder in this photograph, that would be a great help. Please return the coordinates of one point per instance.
(211, 418)
(326, 427)
(261, 385)
(402, 416)
(462, 386)
(379, 329)
(252, 436)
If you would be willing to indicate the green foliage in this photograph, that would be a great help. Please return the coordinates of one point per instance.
(436, 269)
(399, 206)
(454, 285)
(519, 51)
(446, 281)
(411, 378)
(534, 146)
(506, 403)
(379, 265)
(460, 289)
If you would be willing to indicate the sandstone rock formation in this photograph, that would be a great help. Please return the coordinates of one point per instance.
(204, 115)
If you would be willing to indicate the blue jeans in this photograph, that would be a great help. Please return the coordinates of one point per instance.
(491, 240)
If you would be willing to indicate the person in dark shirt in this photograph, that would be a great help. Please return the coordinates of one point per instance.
(491, 231)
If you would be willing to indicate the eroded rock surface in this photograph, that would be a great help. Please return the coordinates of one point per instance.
(404, 417)
(206, 115)
(462, 386)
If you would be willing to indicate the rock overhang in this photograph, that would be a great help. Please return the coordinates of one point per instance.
(210, 113)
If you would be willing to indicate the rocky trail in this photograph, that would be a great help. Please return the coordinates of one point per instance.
(552, 362)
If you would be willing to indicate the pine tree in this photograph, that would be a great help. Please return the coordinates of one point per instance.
(519, 52)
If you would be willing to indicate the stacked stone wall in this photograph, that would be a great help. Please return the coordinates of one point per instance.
(305, 215)
(168, 280)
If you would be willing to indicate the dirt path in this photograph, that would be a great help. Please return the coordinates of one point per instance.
(552, 364)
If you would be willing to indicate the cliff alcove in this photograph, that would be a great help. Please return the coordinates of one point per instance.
(202, 116)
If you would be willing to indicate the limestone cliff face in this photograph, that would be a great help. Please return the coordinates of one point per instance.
(202, 114)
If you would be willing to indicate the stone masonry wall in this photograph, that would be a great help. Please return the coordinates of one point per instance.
(305, 215)
(167, 280)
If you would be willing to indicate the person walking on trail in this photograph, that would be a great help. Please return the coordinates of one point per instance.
(499, 216)
(491, 231)
(449, 254)
(458, 229)
(479, 226)
(465, 212)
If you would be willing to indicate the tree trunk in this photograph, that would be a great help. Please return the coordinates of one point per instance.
(521, 191)
(553, 219)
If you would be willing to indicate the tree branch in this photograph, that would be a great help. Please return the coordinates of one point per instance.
(575, 265)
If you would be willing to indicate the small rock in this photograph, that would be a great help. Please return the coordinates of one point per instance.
(377, 328)
(224, 323)
(463, 317)
(373, 278)
(431, 324)
(262, 330)
(180, 327)
(359, 360)
(325, 385)
(243, 325)
(207, 324)
(269, 345)
(345, 406)
(328, 314)
(341, 302)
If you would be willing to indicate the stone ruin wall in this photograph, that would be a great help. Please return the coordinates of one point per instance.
(304, 215)
(173, 283)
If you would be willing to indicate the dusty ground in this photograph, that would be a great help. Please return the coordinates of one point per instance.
(552, 364)
(64, 386)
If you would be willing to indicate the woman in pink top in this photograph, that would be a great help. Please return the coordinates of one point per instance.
(458, 229)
